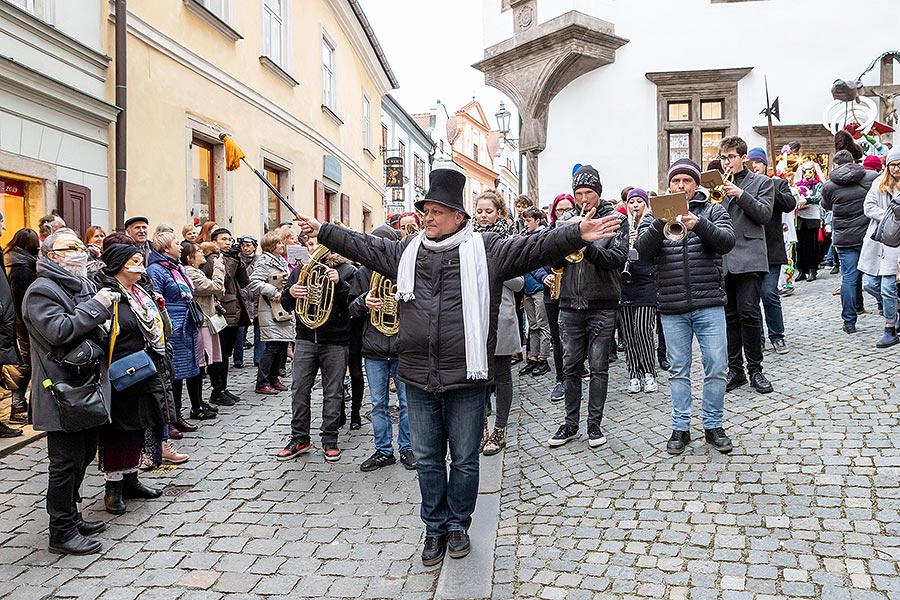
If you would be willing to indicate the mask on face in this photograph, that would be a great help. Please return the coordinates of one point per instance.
(136, 269)
(76, 263)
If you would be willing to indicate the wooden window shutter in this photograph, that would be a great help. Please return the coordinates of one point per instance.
(75, 206)
(321, 202)
(345, 209)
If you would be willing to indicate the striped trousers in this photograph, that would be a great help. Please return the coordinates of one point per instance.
(639, 328)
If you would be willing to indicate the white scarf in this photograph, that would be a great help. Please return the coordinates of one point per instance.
(473, 275)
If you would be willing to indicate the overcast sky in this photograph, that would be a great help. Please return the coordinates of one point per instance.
(431, 47)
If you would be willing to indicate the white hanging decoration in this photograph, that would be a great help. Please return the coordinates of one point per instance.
(839, 114)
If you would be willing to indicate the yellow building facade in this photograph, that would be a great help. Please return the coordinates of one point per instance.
(297, 84)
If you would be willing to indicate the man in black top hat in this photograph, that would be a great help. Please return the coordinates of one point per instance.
(449, 281)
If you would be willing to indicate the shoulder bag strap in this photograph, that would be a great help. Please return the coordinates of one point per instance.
(114, 333)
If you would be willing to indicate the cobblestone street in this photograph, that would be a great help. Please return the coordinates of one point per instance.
(805, 506)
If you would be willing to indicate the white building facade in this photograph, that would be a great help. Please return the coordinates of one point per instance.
(54, 121)
(631, 86)
(401, 136)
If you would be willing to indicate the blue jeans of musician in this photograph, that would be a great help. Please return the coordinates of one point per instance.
(771, 302)
(849, 259)
(708, 325)
(883, 287)
(378, 374)
(437, 420)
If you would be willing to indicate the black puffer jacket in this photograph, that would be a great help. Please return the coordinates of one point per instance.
(375, 345)
(336, 330)
(432, 336)
(689, 273)
(639, 284)
(844, 194)
(595, 282)
(784, 203)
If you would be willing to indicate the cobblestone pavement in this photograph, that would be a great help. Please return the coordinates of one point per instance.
(805, 506)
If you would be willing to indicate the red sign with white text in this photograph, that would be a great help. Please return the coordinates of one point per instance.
(12, 187)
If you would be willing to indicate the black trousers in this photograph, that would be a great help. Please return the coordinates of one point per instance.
(270, 364)
(660, 339)
(808, 252)
(552, 309)
(194, 389)
(70, 455)
(586, 334)
(218, 372)
(743, 321)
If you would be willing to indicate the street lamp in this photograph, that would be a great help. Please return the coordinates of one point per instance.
(503, 116)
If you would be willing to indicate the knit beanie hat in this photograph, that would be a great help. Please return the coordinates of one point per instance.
(116, 256)
(639, 193)
(685, 166)
(892, 156)
(759, 155)
(872, 163)
(587, 177)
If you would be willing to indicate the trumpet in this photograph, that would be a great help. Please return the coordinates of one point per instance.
(674, 230)
(385, 319)
(717, 193)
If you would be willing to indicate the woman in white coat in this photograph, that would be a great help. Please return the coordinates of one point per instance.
(877, 261)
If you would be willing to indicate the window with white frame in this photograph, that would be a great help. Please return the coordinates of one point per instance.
(367, 123)
(329, 93)
(24, 4)
(273, 30)
(216, 7)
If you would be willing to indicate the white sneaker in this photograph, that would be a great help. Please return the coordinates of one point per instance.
(635, 386)
(650, 383)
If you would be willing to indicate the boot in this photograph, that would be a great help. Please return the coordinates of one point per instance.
(89, 527)
(132, 488)
(115, 504)
(889, 338)
(18, 412)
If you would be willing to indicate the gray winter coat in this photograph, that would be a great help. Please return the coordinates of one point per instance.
(432, 339)
(749, 214)
(270, 330)
(875, 258)
(844, 194)
(508, 340)
(59, 312)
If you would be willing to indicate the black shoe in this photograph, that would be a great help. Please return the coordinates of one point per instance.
(89, 527)
(542, 368)
(458, 543)
(433, 552)
(563, 435)
(801, 277)
(355, 421)
(718, 440)
(113, 500)
(207, 408)
(734, 381)
(813, 276)
(77, 544)
(849, 328)
(18, 413)
(9, 432)
(238, 365)
(620, 346)
(595, 436)
(760, 383)
(664, 363)
(376, 461)
(835, 270)
(132, 488)
(528, 368)
(234, 399)
(408, 459)
(613, 357)
(678, 442)
(221, 399)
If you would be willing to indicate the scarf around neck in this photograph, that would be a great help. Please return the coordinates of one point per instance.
(473, 276)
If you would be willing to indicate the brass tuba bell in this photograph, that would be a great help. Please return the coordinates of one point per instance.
(386, 319)
(314, 309)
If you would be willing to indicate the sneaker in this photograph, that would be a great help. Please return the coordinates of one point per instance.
(650, 383)
(890, 338)
(780, 346)
(331, 451)
(678, 442)
(9, 432)
(171, 455)
(293, 449)
(542, 368)
(849, 327)
(408, 459)
(221, 399)
(835, 270)
(595, 436)
(433, 552)
(718, 439)
(635, 386)
(376, 461)
(235, 399)
(458, 545)
(559, 392)
(760, 383)
(496, 442)
(563, 435)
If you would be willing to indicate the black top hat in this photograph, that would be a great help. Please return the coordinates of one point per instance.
(447, 187)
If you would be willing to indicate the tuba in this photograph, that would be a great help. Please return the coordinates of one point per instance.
(384, 320)
(315, 308)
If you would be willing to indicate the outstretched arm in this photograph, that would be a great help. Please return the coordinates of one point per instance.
(378, 254)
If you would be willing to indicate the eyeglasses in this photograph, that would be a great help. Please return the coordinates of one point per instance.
(729, 156)
(561, 210)
(72, 248)
(894, 166)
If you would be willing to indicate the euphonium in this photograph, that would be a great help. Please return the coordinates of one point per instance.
(315, 308)
(384, 320)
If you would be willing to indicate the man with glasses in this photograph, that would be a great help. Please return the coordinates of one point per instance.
(749, 200)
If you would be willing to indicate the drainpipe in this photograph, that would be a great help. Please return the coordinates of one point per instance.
(121, 101)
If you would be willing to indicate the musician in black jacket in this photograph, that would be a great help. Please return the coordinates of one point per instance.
(691, 303)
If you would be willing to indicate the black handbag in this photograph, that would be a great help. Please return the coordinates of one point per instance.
(80, 406)
(198, 319)
(130, 369)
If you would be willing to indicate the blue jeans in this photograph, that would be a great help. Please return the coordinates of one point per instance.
(708, 324)
(883, 287)
(849, 259)
(258, 346)
(378, 374)
(437, 420)
(771, 302)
